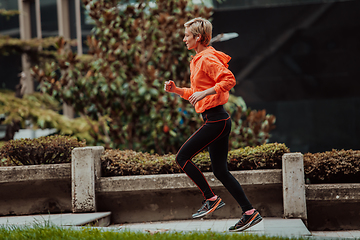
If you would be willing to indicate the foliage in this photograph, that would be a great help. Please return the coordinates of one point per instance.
(8, 13)
(135, 49)
(249, 127)
(266, 156)
(4, 162)
(336, 166)
(41, 111)
(86, 233)
(42, 150)
(129, 162)
(33, 44)
(33, 47)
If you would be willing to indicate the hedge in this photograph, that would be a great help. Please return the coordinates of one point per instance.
(336, 166)
(128, 162)
(42, 150)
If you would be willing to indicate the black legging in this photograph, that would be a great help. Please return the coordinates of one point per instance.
(214, 134)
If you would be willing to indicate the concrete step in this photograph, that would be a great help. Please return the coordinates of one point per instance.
(98, 219)
(269, 226)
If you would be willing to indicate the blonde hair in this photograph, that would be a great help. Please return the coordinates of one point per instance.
(200, 26)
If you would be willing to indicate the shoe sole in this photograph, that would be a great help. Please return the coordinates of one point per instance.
(250, 224)
(221, 204)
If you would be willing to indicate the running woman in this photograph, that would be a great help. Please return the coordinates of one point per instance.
(211, 81)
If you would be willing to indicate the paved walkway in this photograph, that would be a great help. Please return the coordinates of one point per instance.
(269, 226)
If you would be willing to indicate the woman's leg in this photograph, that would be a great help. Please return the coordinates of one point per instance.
(201, 139)
(218, 153)
(195, 144)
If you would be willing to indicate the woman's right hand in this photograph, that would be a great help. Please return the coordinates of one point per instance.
(169, 86)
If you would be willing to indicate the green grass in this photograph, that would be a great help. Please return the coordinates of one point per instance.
(54, 233)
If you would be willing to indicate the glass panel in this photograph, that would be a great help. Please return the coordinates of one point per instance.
(239, 4)
(9, 25)
(49, 21)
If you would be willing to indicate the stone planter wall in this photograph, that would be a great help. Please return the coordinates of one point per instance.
(35, 189)
(79, 187)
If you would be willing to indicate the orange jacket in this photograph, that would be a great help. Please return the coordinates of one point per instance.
(209, 69)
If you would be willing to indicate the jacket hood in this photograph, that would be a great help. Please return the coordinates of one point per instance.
(223, 58)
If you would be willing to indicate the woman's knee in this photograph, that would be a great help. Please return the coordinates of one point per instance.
(221, 174)
(180, 160)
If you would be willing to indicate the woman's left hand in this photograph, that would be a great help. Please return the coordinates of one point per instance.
(197, 96)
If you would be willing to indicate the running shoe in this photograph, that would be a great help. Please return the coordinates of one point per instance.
(246, 221)
(208, 207)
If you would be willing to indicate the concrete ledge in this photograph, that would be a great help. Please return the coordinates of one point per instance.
(333, 192)
(35, 172)
(181, 181)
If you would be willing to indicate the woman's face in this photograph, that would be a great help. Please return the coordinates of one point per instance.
(189, 39)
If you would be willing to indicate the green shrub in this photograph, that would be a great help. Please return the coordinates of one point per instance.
(336, 166)
(266, 156)
(41, 111)
(42, 150)
(132, 52)
(5, 162)
(128, 162)
(249, 127)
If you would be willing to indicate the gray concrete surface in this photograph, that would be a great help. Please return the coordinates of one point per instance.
(46, 172)
(294, 186)
(181, 181)
(269, 226)
(35, 189)
(65, 219)
(171, 205)
(333, 192)
(85, 171)
(164, 197)
(333, 215)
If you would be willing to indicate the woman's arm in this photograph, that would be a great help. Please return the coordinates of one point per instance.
(170, 86)
(197, 96)
(223, 77)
